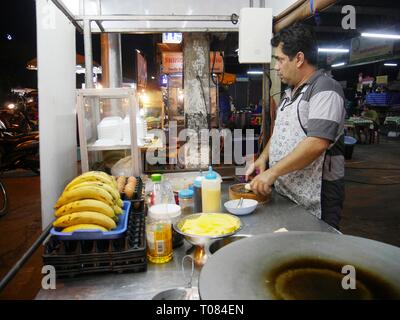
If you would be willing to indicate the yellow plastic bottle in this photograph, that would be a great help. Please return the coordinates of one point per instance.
(211, 192)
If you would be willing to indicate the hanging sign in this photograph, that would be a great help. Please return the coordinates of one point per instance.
(367, 49)
(172, 62)
(172, 37)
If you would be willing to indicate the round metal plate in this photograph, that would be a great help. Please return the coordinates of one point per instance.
(238, 271)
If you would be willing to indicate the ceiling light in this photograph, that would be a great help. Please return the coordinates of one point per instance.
(381, 35)
(390, 64)
(332, 50)
(338, 64)
(255, 72)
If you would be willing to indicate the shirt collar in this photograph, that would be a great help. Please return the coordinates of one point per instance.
(314, 77)
(310, 80)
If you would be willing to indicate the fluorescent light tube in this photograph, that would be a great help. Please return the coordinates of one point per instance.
(381, 35)
(338, 64)
(254, 72)
(332, 50)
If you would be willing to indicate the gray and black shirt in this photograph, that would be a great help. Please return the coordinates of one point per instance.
(321, 114)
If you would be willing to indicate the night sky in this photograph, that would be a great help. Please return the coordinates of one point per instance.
(19, 24)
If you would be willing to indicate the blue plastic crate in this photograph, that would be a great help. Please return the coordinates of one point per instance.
(118, 232)
(378, 99)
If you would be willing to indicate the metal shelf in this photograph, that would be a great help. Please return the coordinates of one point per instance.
(92, 147)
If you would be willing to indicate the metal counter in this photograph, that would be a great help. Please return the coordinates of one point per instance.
(278, 213)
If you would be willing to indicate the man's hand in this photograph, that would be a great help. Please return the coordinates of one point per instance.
(262, 183)
(260, 164)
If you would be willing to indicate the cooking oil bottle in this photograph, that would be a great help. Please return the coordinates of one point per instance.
(159, 232)
(211, 192)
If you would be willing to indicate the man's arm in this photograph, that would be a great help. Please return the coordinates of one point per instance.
(305, 153)
(260, 163)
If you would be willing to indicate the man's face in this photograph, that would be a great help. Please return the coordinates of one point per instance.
(286, 68)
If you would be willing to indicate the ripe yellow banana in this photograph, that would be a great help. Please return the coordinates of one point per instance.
(85, 217)
(85, 178)
(88, 192)
(111, 190)
(117, 209)
(103, 174)
(85, 205)
(84, 227)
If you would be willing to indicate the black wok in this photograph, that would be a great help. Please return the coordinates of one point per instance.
(255, 267)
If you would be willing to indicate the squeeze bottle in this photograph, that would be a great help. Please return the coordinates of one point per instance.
(211, 192)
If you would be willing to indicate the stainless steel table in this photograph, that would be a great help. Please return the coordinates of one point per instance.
(278, 213)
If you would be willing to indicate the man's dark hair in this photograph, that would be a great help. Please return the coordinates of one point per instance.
(295, 38)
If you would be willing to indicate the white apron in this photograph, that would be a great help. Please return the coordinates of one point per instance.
(302, 186)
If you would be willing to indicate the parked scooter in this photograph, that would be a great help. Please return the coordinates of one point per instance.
(19, 150)
(19, 145)
(19, 113)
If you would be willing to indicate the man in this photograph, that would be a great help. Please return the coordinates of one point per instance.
(224, 107)
(305, 152)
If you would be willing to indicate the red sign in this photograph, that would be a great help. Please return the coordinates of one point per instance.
(172, 62)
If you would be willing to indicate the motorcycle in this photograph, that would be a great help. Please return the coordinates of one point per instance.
(19, 145)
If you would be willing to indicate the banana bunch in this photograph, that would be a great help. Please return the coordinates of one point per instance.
(91, 201)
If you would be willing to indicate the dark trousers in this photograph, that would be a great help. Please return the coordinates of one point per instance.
(332, 198)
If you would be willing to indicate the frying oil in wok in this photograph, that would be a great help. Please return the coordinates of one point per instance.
(310, 278)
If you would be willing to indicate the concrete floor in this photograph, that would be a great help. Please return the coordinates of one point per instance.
(371, 210)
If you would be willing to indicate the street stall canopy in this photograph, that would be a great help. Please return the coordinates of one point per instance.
(155, 16)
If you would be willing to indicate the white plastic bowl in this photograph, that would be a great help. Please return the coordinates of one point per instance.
(248, 206)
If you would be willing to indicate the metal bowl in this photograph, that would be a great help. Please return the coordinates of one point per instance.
(201, 239)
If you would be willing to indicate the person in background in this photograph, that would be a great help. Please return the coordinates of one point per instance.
(370, 114)
(306, 150)
(258, 107)
(370, 132)
(224, 107)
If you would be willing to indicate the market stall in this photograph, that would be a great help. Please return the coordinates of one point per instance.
(278, 215)
(92, 265)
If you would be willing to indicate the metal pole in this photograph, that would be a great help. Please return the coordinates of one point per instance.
(87, 39)
(115, 60)
(20, 263)
(67, 13)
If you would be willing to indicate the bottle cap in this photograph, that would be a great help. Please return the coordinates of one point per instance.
(164, 211)
(197, 181)
(156, 177)
(185, 194)
(211, 175)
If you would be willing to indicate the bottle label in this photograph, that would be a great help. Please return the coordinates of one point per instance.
(159, 239)
(160, 246)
